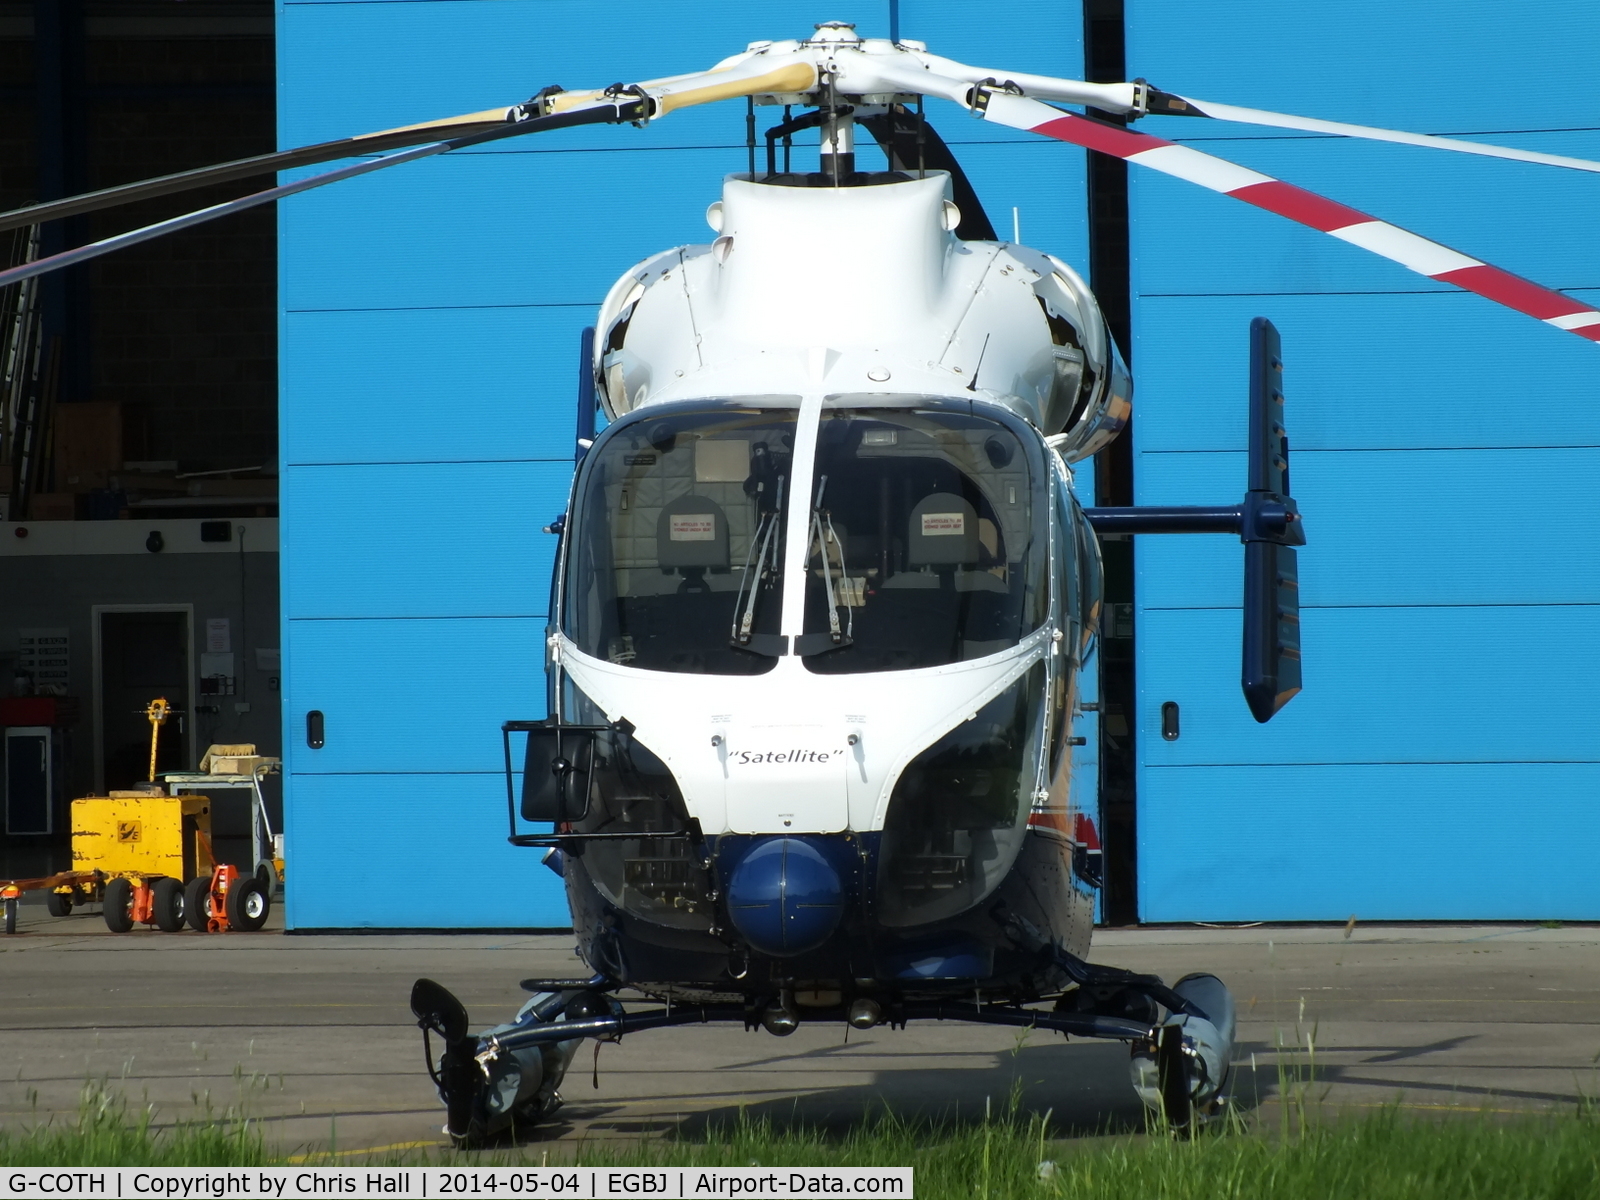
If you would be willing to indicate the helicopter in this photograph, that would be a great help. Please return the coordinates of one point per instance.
(824, 593)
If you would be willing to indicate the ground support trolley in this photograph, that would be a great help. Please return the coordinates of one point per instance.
(266, 847)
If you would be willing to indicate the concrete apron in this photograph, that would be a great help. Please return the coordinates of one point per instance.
(312, 1035)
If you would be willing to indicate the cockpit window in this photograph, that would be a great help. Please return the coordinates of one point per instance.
(676, 546)
(929, 540)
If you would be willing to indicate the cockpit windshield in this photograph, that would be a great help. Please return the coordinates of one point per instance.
(678, 539)
(929, 540)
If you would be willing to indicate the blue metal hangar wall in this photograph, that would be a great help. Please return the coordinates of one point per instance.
(430, 323)
(1440, 763)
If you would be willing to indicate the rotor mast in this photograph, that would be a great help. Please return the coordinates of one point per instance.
(838, 141)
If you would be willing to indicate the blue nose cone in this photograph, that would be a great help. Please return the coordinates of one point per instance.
(785, 897)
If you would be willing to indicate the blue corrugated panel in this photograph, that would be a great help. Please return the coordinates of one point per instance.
(1445, 691)
(1419, 842)
(1444, 452)
(1394, 527)
(429, 333)
(421, 539)
(413, 851)
(433, 385)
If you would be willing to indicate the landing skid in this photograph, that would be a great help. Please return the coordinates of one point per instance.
(1181, 1045)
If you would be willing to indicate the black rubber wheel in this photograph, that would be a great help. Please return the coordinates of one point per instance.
(248, 904)
(59, 903)
(267, 876)
(11, 916)
(197, 902)
(119, 905)
(168, 905)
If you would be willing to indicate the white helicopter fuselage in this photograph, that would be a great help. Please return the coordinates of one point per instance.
(816, 312)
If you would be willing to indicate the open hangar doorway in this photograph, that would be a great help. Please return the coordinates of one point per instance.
(141, 653)
(161, 416)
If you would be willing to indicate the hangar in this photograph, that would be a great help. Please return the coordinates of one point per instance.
(427, 331)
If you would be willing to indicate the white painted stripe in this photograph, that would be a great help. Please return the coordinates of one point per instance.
(1017, 111)
(1578, 320)
(1215, 173)
(1257, 116)
(1407, 249)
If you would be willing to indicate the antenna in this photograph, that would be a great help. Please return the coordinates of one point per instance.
(972, 384)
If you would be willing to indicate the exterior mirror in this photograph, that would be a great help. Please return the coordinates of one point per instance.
(556, 773)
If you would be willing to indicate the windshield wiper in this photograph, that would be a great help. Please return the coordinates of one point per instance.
(772, 645)
(821, 535)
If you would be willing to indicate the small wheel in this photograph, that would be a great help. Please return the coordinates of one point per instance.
(11, 916)
(247, 904)
(59, 903)
(167, 904)
(197, 902)
(119, 905)
(267, 876)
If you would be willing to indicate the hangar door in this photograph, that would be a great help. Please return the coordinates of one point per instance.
(1441, 762)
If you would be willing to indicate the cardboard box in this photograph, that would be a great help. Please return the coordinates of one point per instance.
(225, 750)
(235, 764)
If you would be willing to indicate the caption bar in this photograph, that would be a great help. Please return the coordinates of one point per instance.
(434, 1183)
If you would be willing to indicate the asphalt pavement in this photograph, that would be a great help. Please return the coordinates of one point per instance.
(312, 1035)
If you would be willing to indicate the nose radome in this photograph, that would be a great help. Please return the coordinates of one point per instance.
(785, 897)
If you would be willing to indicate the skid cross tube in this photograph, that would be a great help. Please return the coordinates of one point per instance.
(611, 1026)
(615, 1025)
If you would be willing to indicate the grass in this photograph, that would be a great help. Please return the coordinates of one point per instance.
(104, 1133)
(1374, 1156)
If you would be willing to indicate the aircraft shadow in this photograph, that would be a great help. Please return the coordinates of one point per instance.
(1083, 1087)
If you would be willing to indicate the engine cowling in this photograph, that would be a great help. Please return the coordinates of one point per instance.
(864, 291)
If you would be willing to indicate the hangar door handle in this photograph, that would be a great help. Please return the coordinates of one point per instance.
(314, 737)
(1169, 721)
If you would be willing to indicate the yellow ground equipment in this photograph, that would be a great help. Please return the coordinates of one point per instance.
(147, 858)
(157, 711)
(133, 851)
(144, 835)
(145, 848)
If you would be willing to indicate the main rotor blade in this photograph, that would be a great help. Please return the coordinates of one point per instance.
(1165, 104)
(742, 78)
(245, 168)
(1410, 250)
(1140, 99)
(910, 144)
(1121, 98)
(612, 112)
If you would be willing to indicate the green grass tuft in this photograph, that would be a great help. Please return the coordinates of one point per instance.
(103, 1133)
(1376, 1156)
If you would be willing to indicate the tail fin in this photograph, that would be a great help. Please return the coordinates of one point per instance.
(1270, 528)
